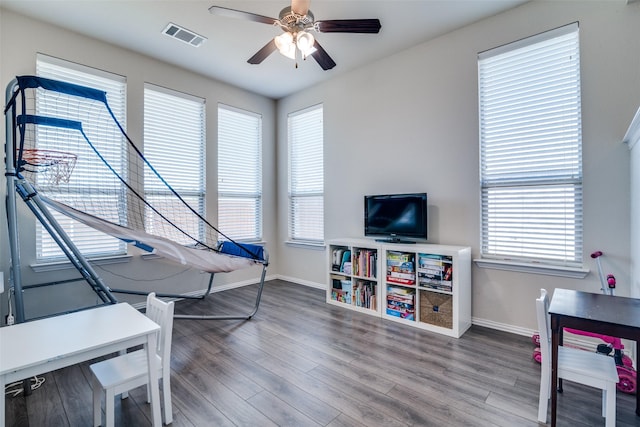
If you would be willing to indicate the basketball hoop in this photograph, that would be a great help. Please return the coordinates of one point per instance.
(52, 167)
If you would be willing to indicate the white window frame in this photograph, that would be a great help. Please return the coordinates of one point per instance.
(531, 154)
(171, 116)
(90, 242)
(306, 176)
(239, 174)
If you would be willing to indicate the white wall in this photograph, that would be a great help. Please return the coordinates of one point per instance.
(20, 39)
(410, 123)
(634, 147)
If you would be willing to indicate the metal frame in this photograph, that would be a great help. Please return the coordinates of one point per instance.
(204, 294)
(16, 184)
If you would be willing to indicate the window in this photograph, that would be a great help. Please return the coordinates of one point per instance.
(239, 174)
(531, 150)
(306, 179)
(89, 241)
(174, 143)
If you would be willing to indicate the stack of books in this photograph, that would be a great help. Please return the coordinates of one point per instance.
(401, 268)
(401, 302)
(365, 263)
(435, 271)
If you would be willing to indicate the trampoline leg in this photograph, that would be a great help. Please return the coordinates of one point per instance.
(231, 317)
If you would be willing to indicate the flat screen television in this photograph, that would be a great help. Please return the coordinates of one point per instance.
(396, 218)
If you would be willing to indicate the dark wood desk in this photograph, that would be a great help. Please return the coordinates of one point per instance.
(603, 314)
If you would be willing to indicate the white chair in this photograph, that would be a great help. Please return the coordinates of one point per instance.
(580, 366)
(128, 371)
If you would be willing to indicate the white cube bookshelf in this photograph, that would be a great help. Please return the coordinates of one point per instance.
(420, 285)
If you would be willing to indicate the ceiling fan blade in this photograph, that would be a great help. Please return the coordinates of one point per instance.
(349, 26)
(262, 54)
(239, 14)
(322, 57)
(300, 7)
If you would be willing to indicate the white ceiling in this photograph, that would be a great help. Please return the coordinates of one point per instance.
(138, 24)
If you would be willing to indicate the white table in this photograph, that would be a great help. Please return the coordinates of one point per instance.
(40, 346)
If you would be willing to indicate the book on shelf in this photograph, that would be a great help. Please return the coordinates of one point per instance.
(404, 295)
(394, 290)
(347, 288)
(346, 258)
(400, 266)
(335, 282)
(403, 314)
(346, 267)
(400, 256)
(444, 288)
(400, 281)
(336, 258)
(401, 275)
(400, 304)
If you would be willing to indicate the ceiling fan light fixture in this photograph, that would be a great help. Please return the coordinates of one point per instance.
(283, 41)
(305, 42)
(286, 46)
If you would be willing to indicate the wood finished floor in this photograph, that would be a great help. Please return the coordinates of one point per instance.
(302, 362)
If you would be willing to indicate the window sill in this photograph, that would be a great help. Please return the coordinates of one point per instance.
(523, 267)
(44, 267)
(317, 246)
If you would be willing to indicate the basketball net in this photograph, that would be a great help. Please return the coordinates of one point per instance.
(52, 167)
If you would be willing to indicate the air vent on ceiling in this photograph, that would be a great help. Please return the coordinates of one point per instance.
(184, 35)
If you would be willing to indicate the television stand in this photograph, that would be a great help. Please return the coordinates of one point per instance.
(421, 285)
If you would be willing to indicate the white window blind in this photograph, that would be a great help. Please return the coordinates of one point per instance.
(90, 242)
(239, 174)
(174, 143)
(306, 176)
(531, 149)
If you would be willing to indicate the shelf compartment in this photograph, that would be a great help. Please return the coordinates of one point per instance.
(365, 263)
(435, 272)
(401, 268)
(365, 294)
(401, 302)
(341, 289)
(341, 259)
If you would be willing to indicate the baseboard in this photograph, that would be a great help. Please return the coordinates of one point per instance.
(502, 327)
(297, 281)
(572, 340)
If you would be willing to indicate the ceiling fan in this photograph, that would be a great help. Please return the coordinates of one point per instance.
(297, 21)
